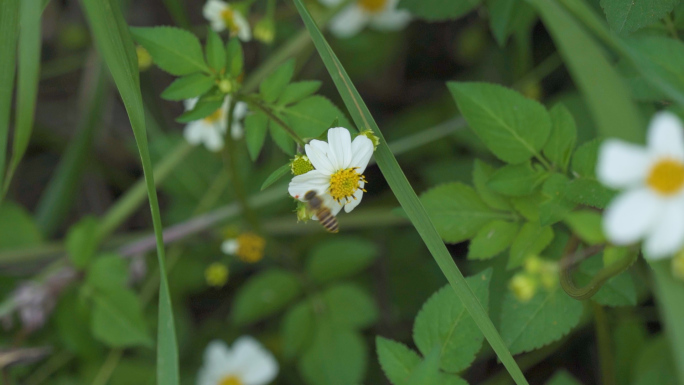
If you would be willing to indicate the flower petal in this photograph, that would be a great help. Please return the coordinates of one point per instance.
(256, 365)
(667, 237)
(666, 136)
(312, 180)
(189, 104)
(351, 205)
(244, 33)
(213, 140)
(391, 19)
(216, 356)
(339, 142)
(362, 150)
(194, 132)
(240, 111)
(237, 131)
(213, 8)
(631, 215)
(229, 246)
(349, 22)
(621, 164)
(317, 151)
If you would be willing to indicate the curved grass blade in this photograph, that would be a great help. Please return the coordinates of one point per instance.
(407, 197)
(116, 47)
(9, 31)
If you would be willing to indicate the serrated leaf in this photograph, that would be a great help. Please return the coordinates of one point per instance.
(17, 228)
(347, 306)
(513, 127)
(274, 84)
(256, 127)
(336, 357)
(312, 116)
(528, 206)
(492, 239)
(617, 291)
(108, 272)
(427, 372)
(396, 360)
(482, 173)
(340, 258)
(297, 91)
(516, 180)
(234, 57)
(561, 142)
(556, 206)
(174, 50)
(545, 318)
(296, 329)
(531, 240)
(585, 158)
(264, 295)
(188, 87)
(586, 224)
(276, 175)
(665, 56)
(438, 10)
(117, 319)
(216, 53)
(457, 211)
(589, 192)
(205, 106)
(626, 16)
(443, 322)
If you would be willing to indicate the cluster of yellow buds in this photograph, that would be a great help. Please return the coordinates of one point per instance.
(536, 272)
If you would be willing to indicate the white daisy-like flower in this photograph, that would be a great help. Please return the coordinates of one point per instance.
(381, 15)
(222, 16)
(210, 130)
(337, 176)
(247, 363)
(652, 206)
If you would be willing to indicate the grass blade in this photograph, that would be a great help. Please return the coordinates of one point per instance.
(670, 299)
(9, 31)
(116, 47)
(407, 197)
(27, 83)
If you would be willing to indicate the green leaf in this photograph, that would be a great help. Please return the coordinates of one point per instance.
(655, 364)
(492, 239)
(528, 206)
(296, 329)
(277, 174)
(347, 306)
(438, 10)
(234, 57)
(216, 53)
(188, 87)
(264, 295)
(256, 126)
(586, 224)
(508, 16)
(17, 228)
(563, 378)
(617, 291)
(556, 206)
(427, 372)
(117, 319)
(336, 357)
(72, 321)
(274, 84)
(626, 16)
(513, 127)
(174, 50)
(517, 179)
(396, 360)
(297, 91)
(669, 294)
(585, 158)
(340, 258)
(9, 32)
(630, 337)
(665, 54)
(589, 192)
(82, 241)
(482, 173)
(205, 106)
(457, 211)
(607, 96)
(558, 148)
(281, 138)
(108, 273)
(312, 116)
(545, 318)
(531, 240)
(443, 322)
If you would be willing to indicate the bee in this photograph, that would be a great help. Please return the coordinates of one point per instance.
(324, 215)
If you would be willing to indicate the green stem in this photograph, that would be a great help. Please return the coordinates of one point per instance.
(254, 103)
(604, 345)
(671, 28)
(42, 373)
(107, 369)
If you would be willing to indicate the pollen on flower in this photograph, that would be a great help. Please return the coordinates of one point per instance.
(301, 165)
(373, 6)
(250, 247)
(344, 183)
(228, 17)
(216, 274)
(667, 176)
(230, 380)
(214, 117)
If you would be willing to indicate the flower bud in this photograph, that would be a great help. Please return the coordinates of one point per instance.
(301, 165)
(370, 135)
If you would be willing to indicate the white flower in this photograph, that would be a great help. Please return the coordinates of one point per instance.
(652, 205)
(222, 16)
(338, 170)
(382, 15)
(247, 363)
(211, 129)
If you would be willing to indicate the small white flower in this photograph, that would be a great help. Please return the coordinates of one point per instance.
(381, 15)
(652, 205)
(222, 16)
(338, 170)
(210, 130)
(247, 363)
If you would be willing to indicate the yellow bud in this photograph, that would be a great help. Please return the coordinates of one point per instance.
(264, 30)
(370, 135)
(144, 58)
(523, 287)
(216, 274)
(533, 264)
(225, 86)
(678, 265)
(303, 214)
(301, 165)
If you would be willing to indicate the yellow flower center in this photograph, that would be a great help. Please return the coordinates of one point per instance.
(344, 183)
(216, 274)
(301, 165)
(230, 380)
(214, 117)
(250, 247)
(373, 6)
(228, 17)
(667, 176)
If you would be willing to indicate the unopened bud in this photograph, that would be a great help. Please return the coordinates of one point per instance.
(144, 58)
(303, 214)
(523, 287)
(264, 30)
(225, 85)
(373, 138)
(301, 165)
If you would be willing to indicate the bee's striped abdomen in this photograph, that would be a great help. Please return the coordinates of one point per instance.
(328, 220)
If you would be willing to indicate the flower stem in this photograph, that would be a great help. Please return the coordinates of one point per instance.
(604, 349)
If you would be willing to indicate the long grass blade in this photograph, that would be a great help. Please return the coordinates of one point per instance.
(116, 47)
(670, 299)
(407, 197)
(9, 32)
